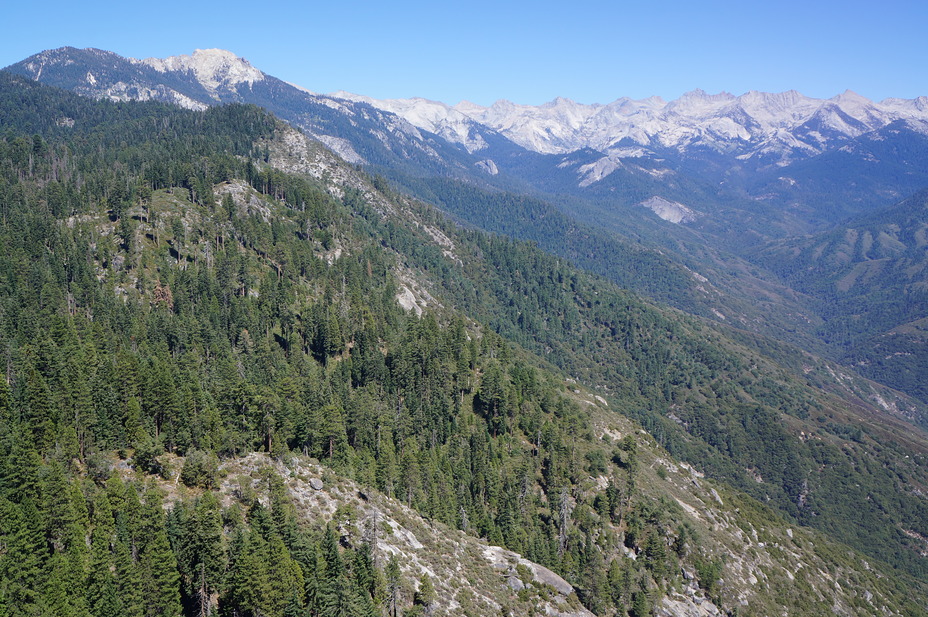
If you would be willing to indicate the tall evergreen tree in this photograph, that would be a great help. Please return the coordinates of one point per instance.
(202, 559)
(158, 564)
(102, 593)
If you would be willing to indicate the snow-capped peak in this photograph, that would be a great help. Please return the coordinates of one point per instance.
(849, 97)
(214, 68)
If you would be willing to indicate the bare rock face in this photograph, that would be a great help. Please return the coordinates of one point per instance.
(489, 166)
(215, 69)
(503, 559)
(678, 605)
(467, 573)
(671, 211)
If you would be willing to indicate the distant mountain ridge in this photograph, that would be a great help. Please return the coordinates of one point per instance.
(780, 125)
(758, 166)
(772, 128)
(782, 149)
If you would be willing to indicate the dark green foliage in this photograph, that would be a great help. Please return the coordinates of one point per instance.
(146, 456)
(200, 550)
(708, 573)
(21, 564)
(200, 469)
(535, 220)
(158, 565)
(641, 605)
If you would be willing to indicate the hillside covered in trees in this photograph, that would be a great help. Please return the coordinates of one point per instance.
(169, 294)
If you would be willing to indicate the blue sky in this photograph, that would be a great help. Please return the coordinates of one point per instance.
(527, 52)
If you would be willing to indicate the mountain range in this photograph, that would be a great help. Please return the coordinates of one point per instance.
(777, 128)
(756, 130)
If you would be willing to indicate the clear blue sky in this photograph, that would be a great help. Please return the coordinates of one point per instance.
(527, 52)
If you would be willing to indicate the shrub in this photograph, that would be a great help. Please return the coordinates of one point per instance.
(200, 469)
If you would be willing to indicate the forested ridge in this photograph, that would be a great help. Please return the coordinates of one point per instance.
(163, 290)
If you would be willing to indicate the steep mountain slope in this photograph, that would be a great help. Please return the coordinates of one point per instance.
(242, 308)
(679, 271)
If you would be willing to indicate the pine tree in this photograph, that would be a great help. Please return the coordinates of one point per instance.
(129, 520)
(641, 605)
(283, 512)
(248, 588)
(128, 580)
(21, 563)
(394, 585)
(334, 588)
(305, 555)
(158, 564)
(331, 433)
(386, 465)
(102, 594)
(6, 409)
(60, 520)
(285, 576)
(201, 552)
(78, 399)
(40, 413)
(425, 596)
(135, 431)
(62, 593)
